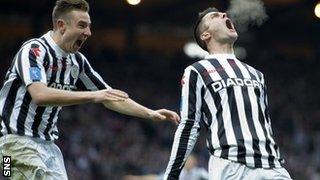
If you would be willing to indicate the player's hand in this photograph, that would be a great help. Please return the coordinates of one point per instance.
(110, 95)
(164, 114)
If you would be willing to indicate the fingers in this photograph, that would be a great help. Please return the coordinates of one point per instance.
(176, 117)
(161, 117)
(170, 115)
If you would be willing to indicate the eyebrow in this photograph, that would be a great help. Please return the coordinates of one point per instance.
(84, 22)
(214, 14)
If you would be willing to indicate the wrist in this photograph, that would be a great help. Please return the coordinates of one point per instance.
(149, 114)
(91, 96)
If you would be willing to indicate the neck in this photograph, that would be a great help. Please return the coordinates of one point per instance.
(56, 36)
(220, 48)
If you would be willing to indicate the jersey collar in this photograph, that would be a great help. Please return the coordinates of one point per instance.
(219, 56)
(54, 45)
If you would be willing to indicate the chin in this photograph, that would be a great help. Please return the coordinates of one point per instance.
(234, 37)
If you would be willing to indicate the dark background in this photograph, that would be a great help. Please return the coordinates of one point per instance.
(139, 49)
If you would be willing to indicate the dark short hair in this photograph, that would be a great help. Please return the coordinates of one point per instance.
(62, 7)
(196, 29)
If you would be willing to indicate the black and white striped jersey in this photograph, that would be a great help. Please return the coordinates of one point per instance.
(41, 60)
(231, 99)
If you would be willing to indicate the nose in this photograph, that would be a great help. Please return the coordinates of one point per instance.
(87, 32)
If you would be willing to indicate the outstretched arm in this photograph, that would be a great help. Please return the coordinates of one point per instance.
(132, 108)
(46, 96)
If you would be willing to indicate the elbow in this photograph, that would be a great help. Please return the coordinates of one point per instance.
(39, 99)
(39, 93)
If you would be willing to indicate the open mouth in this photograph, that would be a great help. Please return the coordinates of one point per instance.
(79, 42)
(229, 25)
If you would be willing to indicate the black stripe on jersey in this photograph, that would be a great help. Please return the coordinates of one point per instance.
(266, 111)
(79, 84)
(207, 113)
(248, 110)
(268, 142)
(54, 63)
(23, 113)
(92, 77)
(32, 56)
(255, 140)
(192, 99)
(203, 72)
(70, 76)
(79, 61)
(183, 144)
(50, 122)
(241, 156)
(37, 121)
(46, 60)
(63, 70)
(9, 103)
(217, 102)
(56, 133)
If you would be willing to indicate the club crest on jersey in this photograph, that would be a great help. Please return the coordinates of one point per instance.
(35, 73)
(74, 71)
(218, 85)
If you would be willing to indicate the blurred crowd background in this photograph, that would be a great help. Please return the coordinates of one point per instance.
(140, 49)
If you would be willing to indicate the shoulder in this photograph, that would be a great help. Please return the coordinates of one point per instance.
(197, 66)
(36, 46)
(34, 42)
(193, 71)
(250, 68)
(80, 56)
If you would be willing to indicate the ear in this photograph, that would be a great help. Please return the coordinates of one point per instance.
(61, 25)
(205, 36)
